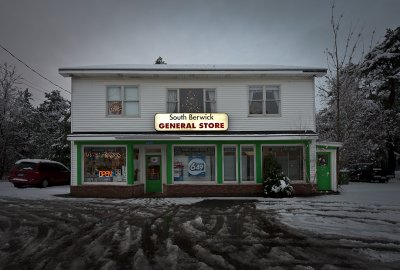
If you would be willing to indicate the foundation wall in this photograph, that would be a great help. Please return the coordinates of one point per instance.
(137, 191)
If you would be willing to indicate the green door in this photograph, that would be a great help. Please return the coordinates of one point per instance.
(324, 171)
(153, 173)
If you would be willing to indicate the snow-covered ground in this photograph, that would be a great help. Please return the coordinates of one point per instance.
(357, 229)
(362, 214)
(363, 193)
(8, 190)
(365, 216)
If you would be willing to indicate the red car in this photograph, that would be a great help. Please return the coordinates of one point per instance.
(39, 172)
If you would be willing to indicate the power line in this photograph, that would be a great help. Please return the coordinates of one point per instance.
(33, 69)
(31, 84)
(28, 83)
(30, 88)
(33, 87)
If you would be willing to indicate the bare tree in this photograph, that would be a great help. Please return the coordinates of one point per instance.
(337, 62)
(8, 93)
(338, 58)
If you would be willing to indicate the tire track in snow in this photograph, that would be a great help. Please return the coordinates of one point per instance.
(213, 234)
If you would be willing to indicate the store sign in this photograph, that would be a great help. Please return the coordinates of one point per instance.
(197, 166)
(191, 122)
(105, 173)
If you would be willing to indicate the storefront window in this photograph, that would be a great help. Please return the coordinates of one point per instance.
(247, 163)
(229, 163)
(104, 164)
(194, 163)
(136, 165)
(290, 158)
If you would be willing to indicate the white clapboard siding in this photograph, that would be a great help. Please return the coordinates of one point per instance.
(232, 96)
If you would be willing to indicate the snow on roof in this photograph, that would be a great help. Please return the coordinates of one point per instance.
(329, 144)
(193, 69)
(36, 161)
(190, 67)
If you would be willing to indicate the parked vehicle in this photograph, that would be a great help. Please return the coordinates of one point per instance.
(380, 175)
(366, 172)
(39, 172)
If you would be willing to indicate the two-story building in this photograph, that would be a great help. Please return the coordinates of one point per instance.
(193, 130)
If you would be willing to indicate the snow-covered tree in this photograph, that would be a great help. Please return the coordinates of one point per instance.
(29, 132)
(381, 78)
(339, 57)
(160, 61)
(361, 120)
(8, 93)
(24, 124)
(53, 124)
(369, 106)
(276, 184)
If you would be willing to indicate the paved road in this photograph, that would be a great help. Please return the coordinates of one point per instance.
(212, 234)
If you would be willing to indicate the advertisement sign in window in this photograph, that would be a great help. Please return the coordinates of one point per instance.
(104, 164)
(197, 166)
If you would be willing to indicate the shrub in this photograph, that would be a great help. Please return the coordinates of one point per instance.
(276, 184)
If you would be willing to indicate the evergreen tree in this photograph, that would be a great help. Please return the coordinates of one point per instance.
(29, 132)
(361, 119)
(276, 184)
(381, 75)
(54, 125)
(160, 61)
(24, 121)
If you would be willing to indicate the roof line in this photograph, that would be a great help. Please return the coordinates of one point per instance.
(192, 69)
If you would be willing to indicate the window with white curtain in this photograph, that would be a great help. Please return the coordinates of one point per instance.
(122, 101)
(229, 167)
(264, 100)
(191, 100)
(247, 163)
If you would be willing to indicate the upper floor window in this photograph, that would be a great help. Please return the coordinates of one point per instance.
(264, 100)
(191, 100)
(123, 100)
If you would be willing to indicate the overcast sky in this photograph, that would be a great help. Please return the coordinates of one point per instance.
(49, 34)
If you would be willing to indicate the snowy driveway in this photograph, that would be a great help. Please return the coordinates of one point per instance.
(358, 229)
(364, 219)
(364, 210)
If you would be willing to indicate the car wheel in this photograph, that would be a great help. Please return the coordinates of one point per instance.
(45, 183)
(18, 185)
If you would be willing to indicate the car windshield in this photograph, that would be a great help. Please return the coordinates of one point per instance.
(25, 166)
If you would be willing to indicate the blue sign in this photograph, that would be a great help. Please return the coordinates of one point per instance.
(197, 166)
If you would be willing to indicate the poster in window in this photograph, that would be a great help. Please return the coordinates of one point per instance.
(178, 171)
(197, 166)
(115, 107)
